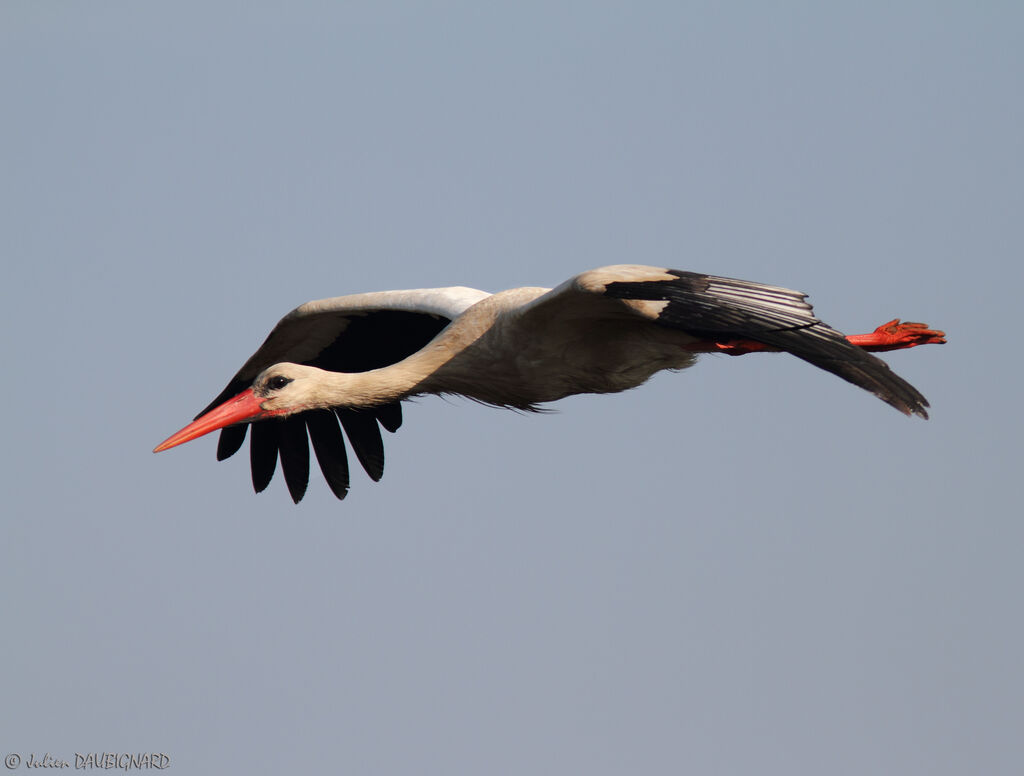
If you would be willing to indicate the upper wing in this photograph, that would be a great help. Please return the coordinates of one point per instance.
(721, 309)
(343, 334)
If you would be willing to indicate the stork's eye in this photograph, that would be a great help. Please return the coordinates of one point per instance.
(277, 382)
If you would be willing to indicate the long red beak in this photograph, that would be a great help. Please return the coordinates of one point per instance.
(245, 406)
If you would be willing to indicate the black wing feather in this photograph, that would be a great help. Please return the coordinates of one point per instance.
(263, 454)
(364, 434)
(231, 439)
(329, 446)
(294, 452)
(720, 309)
(389, 416)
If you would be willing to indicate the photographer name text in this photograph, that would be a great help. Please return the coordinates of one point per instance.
(104, 761)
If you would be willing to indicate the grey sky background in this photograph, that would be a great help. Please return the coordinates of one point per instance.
(747, 567)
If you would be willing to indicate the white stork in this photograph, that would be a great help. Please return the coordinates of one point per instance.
(354, 358)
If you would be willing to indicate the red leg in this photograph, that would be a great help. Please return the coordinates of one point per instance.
(893, 335)
(742, 347)
(737, 347)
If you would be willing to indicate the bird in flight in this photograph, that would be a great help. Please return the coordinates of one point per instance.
(348, 362)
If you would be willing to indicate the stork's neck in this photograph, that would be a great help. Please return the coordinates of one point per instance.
(384, 385)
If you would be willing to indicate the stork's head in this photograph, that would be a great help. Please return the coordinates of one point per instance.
(278, 391)
(284, 389)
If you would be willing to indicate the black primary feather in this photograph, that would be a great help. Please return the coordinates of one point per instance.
(329, 446)
(231, 439)
(263, 454)
(389, 416)
(364, 434)
(293, 449)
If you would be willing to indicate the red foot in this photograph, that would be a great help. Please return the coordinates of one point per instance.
(895, 335)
